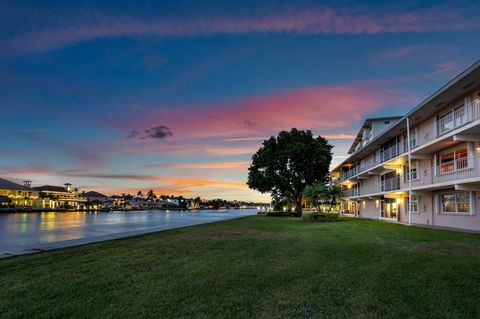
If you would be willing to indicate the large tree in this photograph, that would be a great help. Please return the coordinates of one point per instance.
(285, 165)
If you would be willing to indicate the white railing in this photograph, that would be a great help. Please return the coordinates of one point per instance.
(346, 175)
(450, 122)
(389, 153)
(453, 171)
(391, 184)
(351, 192)
(456, 170)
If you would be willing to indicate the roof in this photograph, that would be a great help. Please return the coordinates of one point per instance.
(94, 194)
(51, 188)
(463, 83)
(6, 184)
(367, 123)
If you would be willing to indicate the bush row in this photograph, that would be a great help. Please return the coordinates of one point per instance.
(319, 217)
(279, 214)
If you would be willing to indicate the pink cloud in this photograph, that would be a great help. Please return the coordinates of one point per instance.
(446, 67)
(320, 108)
(86, 27)
(339, 136)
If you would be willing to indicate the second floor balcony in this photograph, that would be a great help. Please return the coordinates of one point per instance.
(351, 192)
(390, 184)
(446, 123)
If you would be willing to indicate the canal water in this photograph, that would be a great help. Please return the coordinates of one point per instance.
(22, 233)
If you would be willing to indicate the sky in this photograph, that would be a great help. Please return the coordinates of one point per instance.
(120, 96)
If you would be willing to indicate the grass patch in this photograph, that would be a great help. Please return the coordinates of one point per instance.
(255, 267)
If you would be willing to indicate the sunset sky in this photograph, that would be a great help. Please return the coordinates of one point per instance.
(118, 96)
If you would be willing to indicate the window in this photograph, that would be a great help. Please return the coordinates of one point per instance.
(414, 171)
(457, 203)
(387, 122)
(454, 160)
(415, 200)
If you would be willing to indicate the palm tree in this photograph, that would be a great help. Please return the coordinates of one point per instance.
(196, 202)
(151, 195)
(140, 194)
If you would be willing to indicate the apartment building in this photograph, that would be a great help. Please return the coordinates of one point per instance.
(421, 168)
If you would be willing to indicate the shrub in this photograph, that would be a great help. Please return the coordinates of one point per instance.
(319, 217)
(279, 214)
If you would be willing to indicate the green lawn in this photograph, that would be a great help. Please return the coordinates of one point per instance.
(255, 267)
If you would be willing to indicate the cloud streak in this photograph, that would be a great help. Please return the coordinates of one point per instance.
(59, 33)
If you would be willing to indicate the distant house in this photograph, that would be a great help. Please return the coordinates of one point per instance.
(18, 195)
(60, 197)
(140, 203)
(93, 196)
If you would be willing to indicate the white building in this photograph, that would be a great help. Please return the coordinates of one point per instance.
(424, 167)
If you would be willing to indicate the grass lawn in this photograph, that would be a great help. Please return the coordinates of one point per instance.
(255, 267)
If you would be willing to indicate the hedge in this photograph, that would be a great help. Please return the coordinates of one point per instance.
(319, 217)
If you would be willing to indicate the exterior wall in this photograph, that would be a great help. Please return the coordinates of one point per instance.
(368, 209)
(379, 126)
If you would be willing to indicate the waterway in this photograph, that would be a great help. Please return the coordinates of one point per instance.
(23, 233)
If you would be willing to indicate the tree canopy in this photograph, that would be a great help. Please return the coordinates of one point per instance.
(285, 165)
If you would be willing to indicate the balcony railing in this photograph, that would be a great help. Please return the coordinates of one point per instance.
(351, 192)
(389, 153)
(347, 174)
(391, 184)
(449, 122)
(453, 171)
(456, 170)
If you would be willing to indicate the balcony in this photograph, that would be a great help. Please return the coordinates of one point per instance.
(449, 122)
(389, 153)
(457, 170)
(351, 192)
(391, 184)
(451, 172)
(348, 174)
(372, 161)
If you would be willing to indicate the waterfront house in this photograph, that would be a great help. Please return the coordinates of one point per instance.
(93, 196)
(16, 195)
(57, 197)
(421, 168)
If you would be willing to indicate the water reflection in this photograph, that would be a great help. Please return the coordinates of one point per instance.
(20, 232)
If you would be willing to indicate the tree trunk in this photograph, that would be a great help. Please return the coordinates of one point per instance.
(298, 207)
